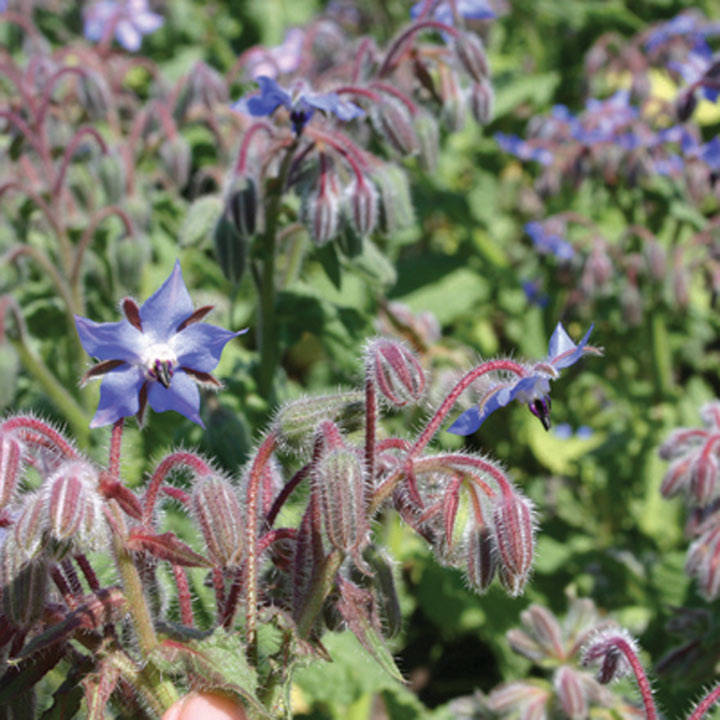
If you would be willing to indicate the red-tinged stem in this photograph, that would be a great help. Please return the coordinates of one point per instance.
(28, 134)
(364, 48)
(87, 571)
(441, 461)
(116, 449)
(72, 577)
(294, 481)
(358, 90)
(241, 162)
(274, 536)
(370, 427)
(70, 150)
(399, 94)
(184, 596)
(38, 200)
(640, 677)
(25, 422)
(176, 494)
(262, 457)
(392, 444)
(353, 156)
(490, 366)
(398, 45)
(62, 586)
(50, 86)
(232, 599)
(172, 461)
(705, 704)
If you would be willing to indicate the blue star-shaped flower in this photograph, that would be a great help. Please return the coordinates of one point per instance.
(155, 355)
(547, 242)
(532, 389)
(468, 9)
(301, 103)
(131, 20)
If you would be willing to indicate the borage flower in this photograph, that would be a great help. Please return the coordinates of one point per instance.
(300, 102)
(156, 355)
(128, 19)
(532, 388)
(443, 11)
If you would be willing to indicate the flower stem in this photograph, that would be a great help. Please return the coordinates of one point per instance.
(704, 705)
(640, 677)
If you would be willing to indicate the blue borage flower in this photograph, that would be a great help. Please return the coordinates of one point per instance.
(532, 388)
(689, 24)
(468, 9)
(300, 103)
(155, 355)
(700, 69)
(131, 19)
(547, 242)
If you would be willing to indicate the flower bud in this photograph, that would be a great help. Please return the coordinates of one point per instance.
(204, 87)
(10, 467)
(570, 691)
(396, 209)
(231, 249)
(703, 562)
(94, 94)
(481, 558)
(29, 528)
(481, 101)
(676, 478)
(514, 539)
(296, 422)
(392, 120)
(362, 205)
(241, 205)
(25, 595)
(217, 511)
(704, 478)
(395, 371)
(340, 483)
(607, 647)
(321, 211)
(110, 170)
(68, 500)
(710, 414)
(454, 107)
(428, 136)
(176, 158)
(545, 628)
(470, 51)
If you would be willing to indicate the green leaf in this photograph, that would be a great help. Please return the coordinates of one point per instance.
(200, 220)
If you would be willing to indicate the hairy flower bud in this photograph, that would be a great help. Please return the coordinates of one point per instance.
(392, 120)
(24, 597)
(321, 209)
(241, 205)
(428, 135)
(395, 371)
(570, 690)
(296, 422)
(176, 158)
(470, 51)
(29, 528)
(340, 484)
(514, 539)
(396, 209)
(110, 170)
(94, 94)
(545, 628)
(67, 498)
(481, 558)
(704, 478)
(676, 478)
(10, 466)
(703, 562)
(454, 107)
(361, 204)
(608, 647)
(481, 101)
(217, 511)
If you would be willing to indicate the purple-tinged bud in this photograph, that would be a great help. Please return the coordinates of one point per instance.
(546, 630)
(703, 563)
(676, 478)
(470, 51)
(25, 595)
(604, 647)
(176, 158)
(29, 528)
(94, 94)
(704, 478)
(362, 205)
(339, 481)
(10, 466)
(217, 511)
(521, 643)
(428, 135)
(514, 539)
(321, 206)
(67, 498)
(392, 120)
(571, 692)
(396, 209)
(481, 556)
(297, 421)
(481, 100)
(710, 414)
(680, 441)
(395, 371)
(516, 695)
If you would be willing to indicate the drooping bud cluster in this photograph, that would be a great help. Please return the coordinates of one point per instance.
(610, 650)
(395, 371)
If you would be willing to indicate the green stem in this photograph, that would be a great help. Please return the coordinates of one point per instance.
(164, 690)
(56, 392)
(322, 584)
(662, 359)
(267, 329)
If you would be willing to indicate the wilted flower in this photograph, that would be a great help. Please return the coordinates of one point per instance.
(130, 20)
(532, 388)
(300, 103)
(156, 354)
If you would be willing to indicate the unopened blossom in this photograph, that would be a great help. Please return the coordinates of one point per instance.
(300, 102)
(155, 355)
(129, 20)
(532, 388)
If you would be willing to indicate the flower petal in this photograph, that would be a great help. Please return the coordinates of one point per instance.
(118, 396)
(200, 345)
(467, 423)
(568, 353)
(271, 96)
(148, 22)
(163, 311)
(110, 340)
(182, 396)
(128, 35)
(332, 103)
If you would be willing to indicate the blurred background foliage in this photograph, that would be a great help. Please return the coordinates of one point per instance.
(605, 531)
